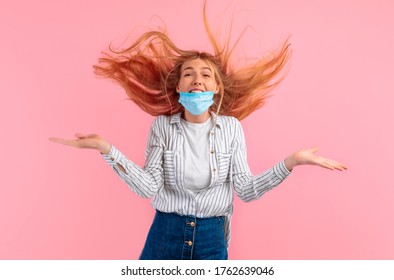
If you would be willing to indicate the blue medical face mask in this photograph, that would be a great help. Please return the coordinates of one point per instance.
(196, 102)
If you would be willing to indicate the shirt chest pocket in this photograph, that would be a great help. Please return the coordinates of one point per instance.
(169, 168)
(223, 160)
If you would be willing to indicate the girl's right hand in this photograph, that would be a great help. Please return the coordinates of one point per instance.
(90, 141)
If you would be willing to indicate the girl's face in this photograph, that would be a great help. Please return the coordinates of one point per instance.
(197, 75)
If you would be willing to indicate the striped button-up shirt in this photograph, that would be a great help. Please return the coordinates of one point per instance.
(162, 176)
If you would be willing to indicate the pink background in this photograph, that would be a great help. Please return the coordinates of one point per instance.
(62, 203)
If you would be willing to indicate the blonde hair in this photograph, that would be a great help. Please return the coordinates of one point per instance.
(149, 71)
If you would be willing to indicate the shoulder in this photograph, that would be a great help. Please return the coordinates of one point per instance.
(165, 125)
(162, 121)
(228, 122)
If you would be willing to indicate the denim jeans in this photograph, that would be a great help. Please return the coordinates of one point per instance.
(176, 237)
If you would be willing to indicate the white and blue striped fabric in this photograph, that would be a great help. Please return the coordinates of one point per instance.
(163, 173)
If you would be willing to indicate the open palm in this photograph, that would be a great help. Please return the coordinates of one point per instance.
(308, 157)
(89, 141)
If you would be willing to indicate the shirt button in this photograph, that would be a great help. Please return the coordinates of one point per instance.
(214, 170)
(212, 133)
(193, 224)
(189, 243)
(213, 151)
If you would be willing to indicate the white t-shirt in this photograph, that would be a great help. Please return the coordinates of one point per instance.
(196, 151)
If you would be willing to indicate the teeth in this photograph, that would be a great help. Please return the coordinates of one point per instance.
(196, 91)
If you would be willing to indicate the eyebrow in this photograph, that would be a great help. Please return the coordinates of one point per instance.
(191, 68)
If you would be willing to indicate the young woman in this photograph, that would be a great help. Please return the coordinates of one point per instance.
(195, 155)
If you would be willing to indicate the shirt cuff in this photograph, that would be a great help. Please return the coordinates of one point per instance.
(113, 156)
(281, 171)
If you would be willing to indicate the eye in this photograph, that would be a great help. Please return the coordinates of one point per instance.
(187, 75)
(207, 75)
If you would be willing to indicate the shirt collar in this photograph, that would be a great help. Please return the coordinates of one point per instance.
(176, 119)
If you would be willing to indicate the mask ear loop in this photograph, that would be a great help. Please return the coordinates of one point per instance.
(221, 92)
(220, 104)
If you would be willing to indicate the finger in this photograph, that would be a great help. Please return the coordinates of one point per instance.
(67, 142)
(337, 166)
(80, 135)
(56, 140)
(326, 164)
(83, 136)
(92, 135)
(341, 167)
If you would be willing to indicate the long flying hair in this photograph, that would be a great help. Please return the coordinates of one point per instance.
(149, 71)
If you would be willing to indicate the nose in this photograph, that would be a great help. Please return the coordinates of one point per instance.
(197, 80)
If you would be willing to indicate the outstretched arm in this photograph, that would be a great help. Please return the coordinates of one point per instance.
(89, 141)
(146, 181)
(249, 187)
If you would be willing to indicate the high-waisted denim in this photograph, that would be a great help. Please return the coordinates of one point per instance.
(176, 237)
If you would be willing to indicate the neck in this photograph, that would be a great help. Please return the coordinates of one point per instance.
(196, 119)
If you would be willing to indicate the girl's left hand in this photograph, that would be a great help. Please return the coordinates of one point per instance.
(308, 157)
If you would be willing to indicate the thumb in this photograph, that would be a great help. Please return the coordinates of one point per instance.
(79, 135)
